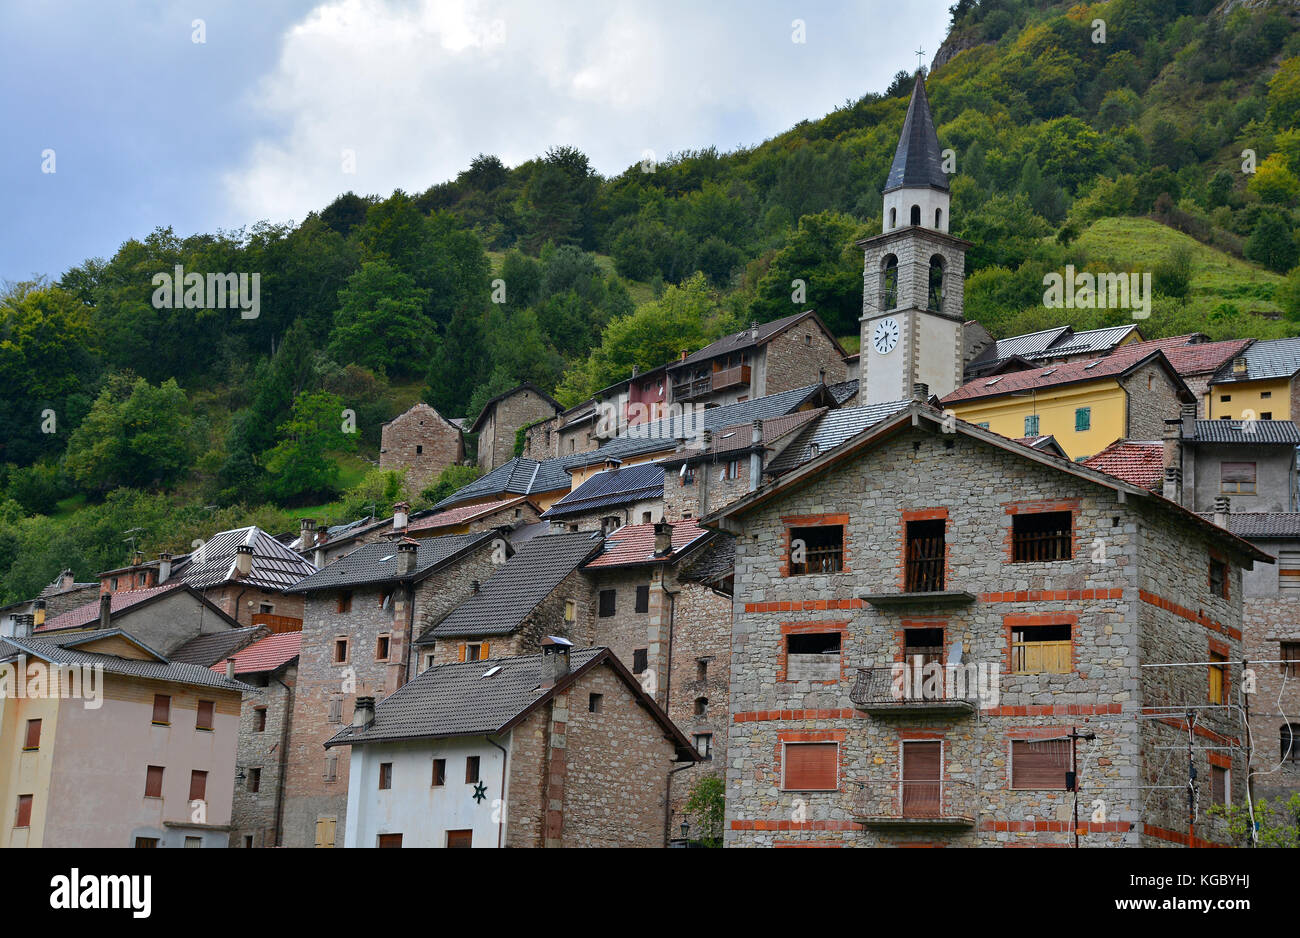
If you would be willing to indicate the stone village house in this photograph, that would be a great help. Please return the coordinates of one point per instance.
(422, 442)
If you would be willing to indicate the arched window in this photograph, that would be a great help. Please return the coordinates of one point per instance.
(916, 214)
(889, 282)
(936, 283)
(938, 218)
(893, 218)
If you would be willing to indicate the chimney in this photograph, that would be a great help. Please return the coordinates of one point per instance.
(164, 568)
(474, 586)
(1188, 416)
(363, 713)
(1173, 483)
(137, 558)
(23, 626)
(663, 538)
(105, 610)
(756, 437)
(555, 659)
(635, 371)
(406, 551)
(38, 612)
(753, 329)
(921, 392)
(1222, 508)
(243, 560)
(307, 536)
(230, 669)
(1239, 365)
(66, 581)
(318, 558)
(401, 511)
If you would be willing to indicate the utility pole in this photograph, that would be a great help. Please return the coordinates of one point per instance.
(1191, 787)
(1074, 737)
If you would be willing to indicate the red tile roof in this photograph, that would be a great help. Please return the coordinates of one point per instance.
(1199, 358)
(635, 543)
(1136, 462)
(463, 514)
(89, 613)
(265, 655)
(1039, 379)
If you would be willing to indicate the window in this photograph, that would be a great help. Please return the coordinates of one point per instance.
(1218, 679)
(385, 776)
(336, 709)
(331, 769)
(193, 843)
(816, 550)
(984, 424)
(1031, 425)
(935, 300)
(198, 785)
(701, 706)
(1225, 398)
(730, 471)
(811, 767)
(460, 838)
(1082, 419)
(925, 556)
(889, 284)
(471, 770)
(33, 740)
(1218, 784)
(1266, 415)
(1289, 744)
(1039, 765)
(162, 709)
(647, 517)
(325, 831)
(807, 338)
(570, 611)
(203, 721)
(1041, 649)
(112, 585)
(595, 703)
(345, 601)
(1237, 477)
(473, 651)
(254, 780)
(813, 656)
(643, 599)
(265, 608)
(146, 842)
(704, 744)
(390, 840)
(1042, 536)
(259, 720)
(23, 817)
(340, 650)
(688, 475)
(916, 214)
(419, 449)
(153, 779)
(439, 772)
(381, 648)
(1265, 395)
(701, 669)
(893, 218)
(607, 603)
(248, 841)
(1290, 654)
(1219, 577)
(639, 663)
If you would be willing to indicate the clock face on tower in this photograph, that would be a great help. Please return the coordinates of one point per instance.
(885, 336)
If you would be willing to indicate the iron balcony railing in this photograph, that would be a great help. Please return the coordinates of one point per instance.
(890, 688)
(687, 390)
(915, 801)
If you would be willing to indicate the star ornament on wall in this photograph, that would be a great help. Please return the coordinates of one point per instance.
(480, 792)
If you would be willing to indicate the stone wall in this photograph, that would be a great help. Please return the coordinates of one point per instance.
(1269, 622)
(254, 812)
(1152, 400)
(423, 443)
(496, 439)
(240, 601)
(800, 356)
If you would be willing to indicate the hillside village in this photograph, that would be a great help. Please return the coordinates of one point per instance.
(942, 590)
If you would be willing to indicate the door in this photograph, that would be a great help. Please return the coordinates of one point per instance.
(922, 762)
(459, 838)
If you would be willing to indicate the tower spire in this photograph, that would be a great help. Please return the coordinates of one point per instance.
(917, 160)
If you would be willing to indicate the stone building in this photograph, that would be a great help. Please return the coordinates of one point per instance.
(925, 616)
(360, 614)
(612, 498)
(503, 416)
(559, 748)
(245, 572)
(422, 442)
(1259, 383)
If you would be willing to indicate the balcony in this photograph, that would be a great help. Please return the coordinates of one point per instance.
(880, 692)
(691, 389)
(731, 378)
(721, 380)
(277, 623)
(883, 804)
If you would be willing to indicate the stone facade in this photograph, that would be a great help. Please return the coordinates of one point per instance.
(802, 355)
(1153, 398)
(241, 601)
(1145, 600)
(263, 746)
(422, 442)
(501, 420)
(706, 486)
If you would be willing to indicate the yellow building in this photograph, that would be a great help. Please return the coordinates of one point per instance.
(1085, 405)
(1259, 384)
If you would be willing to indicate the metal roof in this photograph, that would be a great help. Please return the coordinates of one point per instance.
(1257, 432)
(830, 431)
(518, 585)
(1273, 358)
(917, 160)
(275, 566)
(612, 487)
(1090, 341)
(377, 563)
(160, 669)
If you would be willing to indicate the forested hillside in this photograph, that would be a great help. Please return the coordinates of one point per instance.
(122, 423)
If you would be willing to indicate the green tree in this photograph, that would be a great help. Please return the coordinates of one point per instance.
(821, 254)
(299, 467)
(380, 322)
(450, 480)
(1284, 94)
(1272, 243)
(706, 806)
(1277, 822)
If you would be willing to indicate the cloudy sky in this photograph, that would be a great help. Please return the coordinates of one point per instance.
(287, 103)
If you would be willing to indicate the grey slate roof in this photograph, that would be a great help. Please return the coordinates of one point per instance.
(1261, 525)
(208, 649)
(739, 341)
(519, 476)
(917, 161)
(160, 669)
(612, 487)
(843, 392)
(830, 431)
(1256, 432)
(457, 700)
(518, 585)
(1273, 358)
(275, 566)
(377, 563)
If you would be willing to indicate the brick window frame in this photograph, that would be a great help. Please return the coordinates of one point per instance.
(1013, 621)
(1028, 734)
(804, 628)
(922, 514)
(1216, 558)
(924, 622)
(815, 521)
(1039, 506)
(1223, 651)
(806, 736)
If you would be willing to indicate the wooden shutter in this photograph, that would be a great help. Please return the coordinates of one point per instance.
(811, 767)
(204, 719)
(1288, 569)
(153, 780)
(33, 740)
(1036, 766)
(460, 838)
(24, 818)
(922, 767)
(485, 651)
(607, 606)
(198, 785)
(325, 831)
(162, 708)
(643, 599)
(1218, 785)
(1237, 472)
(460, 653)
(390, 840)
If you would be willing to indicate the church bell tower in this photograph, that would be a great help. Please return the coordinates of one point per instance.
(913, 273)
